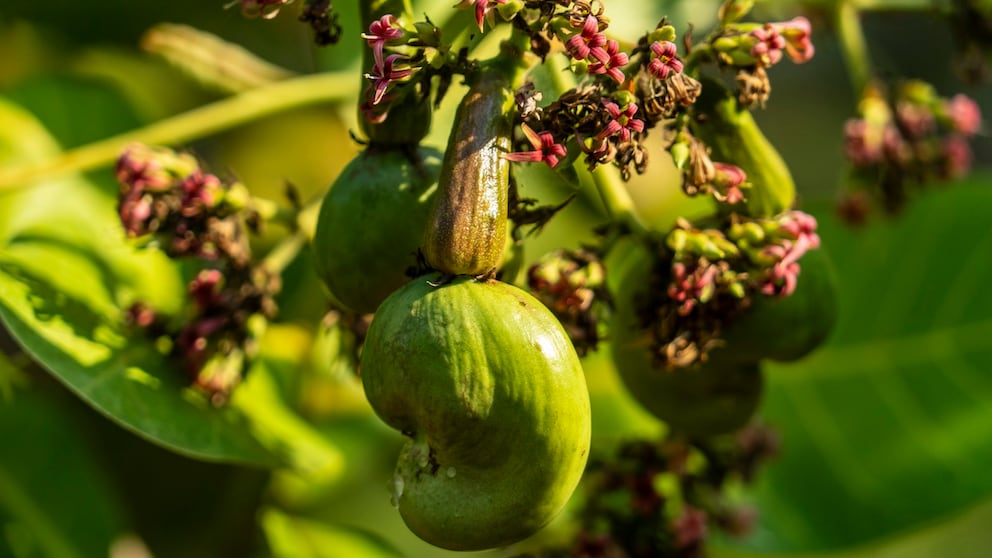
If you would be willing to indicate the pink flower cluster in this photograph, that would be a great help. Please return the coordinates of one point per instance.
(798, 235)
(772, 39)
(691, 285)
(918, 131)
(386, 70)
(622, 122)
(664, 61)
(603, 55)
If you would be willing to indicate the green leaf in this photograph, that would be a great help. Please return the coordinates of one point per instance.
(54, 500)
(263, 402)
(888, 426)
(296, 537)
(67, 274)
(75, 109)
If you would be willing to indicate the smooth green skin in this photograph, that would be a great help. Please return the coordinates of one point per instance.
(714, 398)
(485, 382)
(734, 137)
(467, 230)
(371, 223)
(787, 329)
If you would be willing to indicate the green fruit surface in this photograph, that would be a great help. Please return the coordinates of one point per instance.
(371, 223)
(734, 137)
(787, 329)
(716, 397)
(485, 382)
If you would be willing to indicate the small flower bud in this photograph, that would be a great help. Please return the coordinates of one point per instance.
(579, 67)
(662, 34)
(733, 10)
(428, 33)
(677, 240)
(680, 153)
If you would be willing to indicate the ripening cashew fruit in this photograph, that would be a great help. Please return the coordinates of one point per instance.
(715, 397)
(734, 137)
(485, 383)
(371, 223)
(708, 399)
(788, 328)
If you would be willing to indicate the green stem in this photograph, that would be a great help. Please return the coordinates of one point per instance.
(853, 46)
(272, 211)
(196, 123)
(617, 201)
(283, 253)
(303, 221)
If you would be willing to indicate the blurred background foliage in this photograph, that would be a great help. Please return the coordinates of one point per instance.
(887, 430)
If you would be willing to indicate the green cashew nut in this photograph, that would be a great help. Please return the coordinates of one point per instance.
(484, 381)
(787, 329)
(734, 137)
(371, 223)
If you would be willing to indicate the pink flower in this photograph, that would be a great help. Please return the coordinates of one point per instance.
(205, 288)
(768, 48)
(614, 61)
(728, 180)
(588, 42)
(384, 74)
(690, 528)
(483, 8)
(135, 210)
(781, 279)
(957, 156)
(621, 123)
(916, 120)
(664, 61)
(380, 32)
(689, 287)
(796, 33)
(964, 114)
(862, 142)
(798, 231)
(545, 149)
(200, 191)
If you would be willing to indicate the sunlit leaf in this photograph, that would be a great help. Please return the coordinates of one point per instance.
(66, 277)
(890, 425)
(75, 110)
(296, 537)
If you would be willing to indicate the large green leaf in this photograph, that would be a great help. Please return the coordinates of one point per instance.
(66, 276)
(889, 426)
(54, 500)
